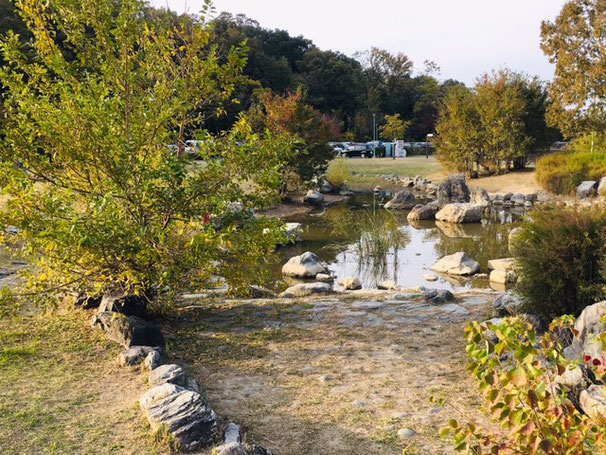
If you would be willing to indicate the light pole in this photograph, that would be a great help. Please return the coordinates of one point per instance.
(429, 136)
(374, 129)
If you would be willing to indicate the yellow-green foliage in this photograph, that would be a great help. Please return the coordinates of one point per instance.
(337, 173)
(561, 173)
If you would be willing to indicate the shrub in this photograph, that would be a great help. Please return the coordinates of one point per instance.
(561, 255)
(515, 370)
(100, 201)
(562, 172)
(337, 173)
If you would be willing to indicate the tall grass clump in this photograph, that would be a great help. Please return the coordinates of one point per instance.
(561, 173)
(561, 254)
(337, 173)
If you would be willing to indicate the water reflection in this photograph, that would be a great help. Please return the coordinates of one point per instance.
(361, 239)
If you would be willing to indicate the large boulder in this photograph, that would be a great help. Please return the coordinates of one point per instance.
(129, 305)
(587, 189)
(501, 264)
(183, 414)
(456, 264)
(171, 374)
(306, 289)
(135, 355)
(593, 402)
(513, 234)
(479, 196)
(518, 199)
(461, 213)
(314, 198)
(350, 283)
(602, 187)
(403, 200)
(589, 324)
(503, 277)
(453, 189)
(506, 305)
(129, 330)
(307, 265)
(438, 296)
(424, 212)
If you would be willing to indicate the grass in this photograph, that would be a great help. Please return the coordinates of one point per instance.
(61, 391)
(365, 173)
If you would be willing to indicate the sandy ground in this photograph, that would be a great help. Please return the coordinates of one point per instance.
(332, 376)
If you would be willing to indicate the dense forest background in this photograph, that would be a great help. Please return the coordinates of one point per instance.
(348, 89)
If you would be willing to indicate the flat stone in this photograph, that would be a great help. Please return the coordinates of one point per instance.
(461, 213)
(307, 289)
(456, 264)
(430, 277)
(172, 374)
(134, 355)
(406, 433)
(501, 264)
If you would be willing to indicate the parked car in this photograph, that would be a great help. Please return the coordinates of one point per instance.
(352, 149)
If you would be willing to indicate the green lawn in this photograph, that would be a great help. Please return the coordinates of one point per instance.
(61, 391)
(366, 172)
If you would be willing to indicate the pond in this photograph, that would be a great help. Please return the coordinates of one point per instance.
(359, 238)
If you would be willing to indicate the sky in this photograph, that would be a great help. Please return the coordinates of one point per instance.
(464, 37)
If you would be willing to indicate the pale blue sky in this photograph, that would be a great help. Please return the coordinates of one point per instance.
(464, 37)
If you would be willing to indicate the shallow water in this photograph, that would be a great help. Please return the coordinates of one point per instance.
(334, 234)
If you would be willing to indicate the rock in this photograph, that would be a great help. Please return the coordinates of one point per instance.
(306, 289)
(501, 264)
(258, 450)
(438, 296)
(573, 379)
(406, 433)
(388, 285)
(326, 378)
(172, 374)
(518, 199)
(232, 433)
(326, 188)
(134, 356)
(129, 331)
(153, 360)
(479, 196)
(233, 448)
(532, 197)
(86, 303)
(593, 402)
(293, 232)
(503, 277)
(305, 266)
(346, 193)
(588, 325)
(461, 213)
(456, 264)
(129, 305)
(587, 189)
(430, 277)
(403, 200)
(350, 283)
(602, 187)
(158, 393)
(506, 305)
(260, 292)
(507, 196)
(186, 417)
(407, 182)
(512, 237)
(325, 278)
(528, 204)
(313, 198)
(424, 212)
(453, 189)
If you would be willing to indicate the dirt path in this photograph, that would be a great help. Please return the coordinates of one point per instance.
(331, 376)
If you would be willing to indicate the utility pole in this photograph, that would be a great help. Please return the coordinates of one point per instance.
(374, 135)
(429, 136)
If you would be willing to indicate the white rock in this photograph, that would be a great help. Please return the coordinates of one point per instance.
(314, 198)
(307, 265)
(157, 393)
(503, 277)
(306, 289)
(350, 283)
(173, 374)
(430, 277)
(593, 402)
(587, 189)
(456, 264)
(232, 433)
(461, 213)
(152, 361)
(406, 433)
(501, 264)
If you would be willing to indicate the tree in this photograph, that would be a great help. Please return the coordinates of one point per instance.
(459, 140)
(576, 43)
(312, 130)
(495, 126)
(100, 201)
(394, 128)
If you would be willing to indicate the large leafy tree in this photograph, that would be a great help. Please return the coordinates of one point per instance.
(576, 43)
(100, 202)
(394, 127)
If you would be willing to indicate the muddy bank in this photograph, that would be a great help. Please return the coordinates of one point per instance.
(333, 375)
